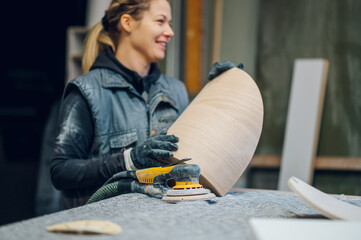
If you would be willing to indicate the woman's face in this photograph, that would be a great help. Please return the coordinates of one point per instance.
(151, 34)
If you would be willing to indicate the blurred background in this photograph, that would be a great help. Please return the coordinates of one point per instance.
(42, 50)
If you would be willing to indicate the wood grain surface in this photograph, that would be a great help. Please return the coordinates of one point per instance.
(220, 129)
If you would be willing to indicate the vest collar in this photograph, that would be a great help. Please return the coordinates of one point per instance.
(159, 90)
(110, 79)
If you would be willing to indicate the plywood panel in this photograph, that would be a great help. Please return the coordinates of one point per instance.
(220, 129)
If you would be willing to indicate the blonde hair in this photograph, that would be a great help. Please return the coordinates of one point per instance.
(99, 38)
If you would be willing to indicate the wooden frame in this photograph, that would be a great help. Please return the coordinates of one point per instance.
(322, 162)
(193, 46)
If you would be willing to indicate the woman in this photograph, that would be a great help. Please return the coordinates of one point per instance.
(112, 117)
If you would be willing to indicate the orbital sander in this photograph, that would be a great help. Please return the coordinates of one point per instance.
(172, 183)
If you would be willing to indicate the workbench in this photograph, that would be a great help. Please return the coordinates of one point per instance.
(142, 217)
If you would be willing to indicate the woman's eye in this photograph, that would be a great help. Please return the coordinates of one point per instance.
(160, 20)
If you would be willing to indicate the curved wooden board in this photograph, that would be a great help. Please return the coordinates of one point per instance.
(220, 129)
(324, 203)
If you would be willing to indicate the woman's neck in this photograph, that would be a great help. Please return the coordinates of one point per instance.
(132, 60)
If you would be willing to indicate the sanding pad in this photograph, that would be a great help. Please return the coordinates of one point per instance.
(180, 198)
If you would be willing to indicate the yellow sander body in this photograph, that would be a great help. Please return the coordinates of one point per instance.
(180, 182)
(172, 184)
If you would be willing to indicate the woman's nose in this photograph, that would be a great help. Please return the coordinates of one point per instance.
(169, 31)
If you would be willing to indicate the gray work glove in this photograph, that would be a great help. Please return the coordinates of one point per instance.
(152, 150)
(219, 67)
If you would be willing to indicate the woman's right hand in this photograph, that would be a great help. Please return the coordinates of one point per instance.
(152, 150)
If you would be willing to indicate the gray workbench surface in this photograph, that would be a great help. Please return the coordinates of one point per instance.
(141, 216)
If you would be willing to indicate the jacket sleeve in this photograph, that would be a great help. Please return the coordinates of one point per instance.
(71, 166)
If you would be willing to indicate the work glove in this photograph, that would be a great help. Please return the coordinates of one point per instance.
(219, 67)
(152, 150)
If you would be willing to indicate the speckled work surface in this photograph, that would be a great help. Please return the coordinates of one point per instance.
(141, 216)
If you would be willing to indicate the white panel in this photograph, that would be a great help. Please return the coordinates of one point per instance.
(300, 229)
(303, 120)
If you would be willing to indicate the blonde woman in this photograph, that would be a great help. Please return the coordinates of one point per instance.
(112, 116)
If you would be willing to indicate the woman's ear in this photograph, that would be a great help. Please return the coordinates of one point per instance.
(126, 23)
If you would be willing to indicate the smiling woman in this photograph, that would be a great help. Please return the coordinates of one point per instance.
(141, 27)
(112, 116)
(146, 39)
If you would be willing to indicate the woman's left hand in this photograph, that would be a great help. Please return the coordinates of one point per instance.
(152, 150)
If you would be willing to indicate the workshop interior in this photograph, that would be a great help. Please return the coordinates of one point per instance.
(270, 38)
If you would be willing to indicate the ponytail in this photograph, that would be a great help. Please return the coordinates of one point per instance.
(96, 42)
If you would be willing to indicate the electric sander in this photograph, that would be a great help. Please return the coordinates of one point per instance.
(172, 183)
